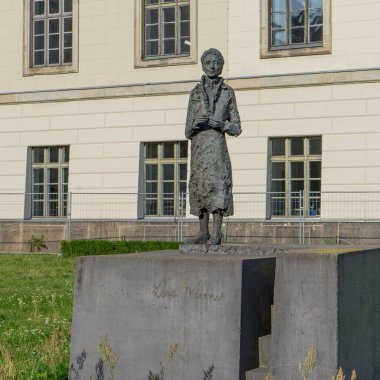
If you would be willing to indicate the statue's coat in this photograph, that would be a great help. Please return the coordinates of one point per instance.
(210, 183)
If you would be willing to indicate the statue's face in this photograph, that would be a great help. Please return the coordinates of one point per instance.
(212, 66)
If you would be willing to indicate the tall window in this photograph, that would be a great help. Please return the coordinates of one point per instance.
(52, 36)
(295, 27)
(50, 174)
(165, 32)
(295, 166)
(295, 22)
(165, 173)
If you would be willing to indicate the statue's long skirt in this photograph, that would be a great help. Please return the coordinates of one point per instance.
(210, 182)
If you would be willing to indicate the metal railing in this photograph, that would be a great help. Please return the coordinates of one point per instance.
(299, 207)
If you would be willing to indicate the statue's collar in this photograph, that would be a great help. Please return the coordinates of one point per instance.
(212, 82)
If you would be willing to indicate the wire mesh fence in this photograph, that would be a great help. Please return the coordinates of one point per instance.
(300, 207)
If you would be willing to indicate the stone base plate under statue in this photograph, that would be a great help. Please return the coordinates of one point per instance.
(162, 313)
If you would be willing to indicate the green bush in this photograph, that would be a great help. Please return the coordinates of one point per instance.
(71, 248)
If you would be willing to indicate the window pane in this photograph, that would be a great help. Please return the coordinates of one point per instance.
(279, 5)
(297, 4)
(151, 48)
(149, 2)
(168, 150)
(151, 150)
(38, 155)
(68, 56)
(315, 185)
(151, 32)
(151, 187)
(182, 187)
(65, 175)
(151, 172)
(297, 36)
(277, 206)
(169, 46)
(39, 27)
(168, 172)
(184, 13)
(184, 45)
(279, 21)
(151, 16)
(54, 41)
(296, 146)
(168, 188)
(65, 154)
(68, 24)
(315, 169)
(53, 178)
(67, 40)
(68, 6)
(315, 3)
(316, 33)
(183, 172)
(278, 187)
(297, 19)
(38, 176)
(39, 8)
(53, 154)
(296, 170)
(151, 207)
(39, 58)
(315, 145)
(168, 14)
(168, 207)
(169, 30)
(296, 186)
(54, 26)
(53, 57)
(278, 170)
(279, 38)
(315, 16)
(184, 29)
(182, 149)
(39, 42)
(278, 147)
(53, 6)
(38, 208)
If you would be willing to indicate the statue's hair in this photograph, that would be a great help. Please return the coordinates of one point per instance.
(214, 52)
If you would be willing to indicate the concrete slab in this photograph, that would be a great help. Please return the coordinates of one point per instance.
(188, 316)
(327, 301)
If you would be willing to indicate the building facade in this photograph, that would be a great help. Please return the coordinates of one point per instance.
(94, 96)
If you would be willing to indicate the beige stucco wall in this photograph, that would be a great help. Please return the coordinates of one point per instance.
(105, 135)
(106, 44)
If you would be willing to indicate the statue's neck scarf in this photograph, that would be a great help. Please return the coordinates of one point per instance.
(211, 97)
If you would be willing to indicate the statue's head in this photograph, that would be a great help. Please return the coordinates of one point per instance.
(212, 63)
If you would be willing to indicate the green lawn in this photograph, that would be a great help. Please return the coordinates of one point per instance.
(36, 297)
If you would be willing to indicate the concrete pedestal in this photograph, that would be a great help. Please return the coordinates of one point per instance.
(187, 316)
(330, 303)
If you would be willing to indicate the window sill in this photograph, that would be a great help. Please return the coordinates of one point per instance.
(164, 61)
(295, 51)
(50, 70)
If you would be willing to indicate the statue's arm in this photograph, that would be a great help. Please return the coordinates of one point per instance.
(190, 129)
(233, 125)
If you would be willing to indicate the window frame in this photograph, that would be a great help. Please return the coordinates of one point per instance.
(62, 196)
(313, 48)
(29, 69)
(160, 160)
(142, 62)
(287, 197)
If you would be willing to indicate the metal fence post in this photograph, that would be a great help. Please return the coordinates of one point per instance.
(301, 227)
(68, 232)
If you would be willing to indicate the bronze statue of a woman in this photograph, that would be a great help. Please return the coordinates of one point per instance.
(212, 113)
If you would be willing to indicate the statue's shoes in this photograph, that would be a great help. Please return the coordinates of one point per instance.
(214, 240)
(199, 239)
